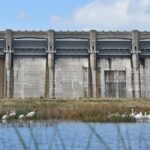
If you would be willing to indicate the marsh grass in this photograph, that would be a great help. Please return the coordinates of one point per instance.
(88, 110)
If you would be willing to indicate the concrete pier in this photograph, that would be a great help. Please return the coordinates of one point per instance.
(8, 68)
(74, 64)
(51, 65)
(135, 64)
(92, 64)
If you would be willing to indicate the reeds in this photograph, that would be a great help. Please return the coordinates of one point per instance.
(85, 110)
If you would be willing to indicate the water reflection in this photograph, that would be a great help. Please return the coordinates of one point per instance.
(29, 123)
(63, 135)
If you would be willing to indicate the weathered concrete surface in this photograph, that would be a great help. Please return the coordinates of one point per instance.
(142, 77)
(135, 64)
(115, 72)
(92, 75)
(8, 84)
(29, 76)
(1, 77)
(71, 77)
(98, 64)
(145, 78)
(93, 64)
(51, 72)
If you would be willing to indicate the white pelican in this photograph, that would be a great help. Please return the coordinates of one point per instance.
(109, 115)
(148, 116)
(6, 116)
(139, 116)
(132, 115)
(13, 113)
(114, 115)
(31, 114)
(124, 115)
(21, 116)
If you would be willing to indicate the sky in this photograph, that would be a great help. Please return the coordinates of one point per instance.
(115, 15)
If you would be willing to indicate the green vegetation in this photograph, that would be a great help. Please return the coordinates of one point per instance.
(84, 109)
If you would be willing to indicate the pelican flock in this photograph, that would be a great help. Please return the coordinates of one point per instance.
(133, 115)
(13, 114)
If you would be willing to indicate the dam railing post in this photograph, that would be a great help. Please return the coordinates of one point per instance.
(8, 67)
(135, 64)
(92, 65)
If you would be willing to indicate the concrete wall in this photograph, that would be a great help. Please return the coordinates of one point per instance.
(87, 64)
(116, 65)
(29, 76)
(145, 78)
(1, 77)
(71, 77)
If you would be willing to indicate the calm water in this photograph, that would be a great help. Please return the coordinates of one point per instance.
(74, 136)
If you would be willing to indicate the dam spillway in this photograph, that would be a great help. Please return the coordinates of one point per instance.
(59, 64)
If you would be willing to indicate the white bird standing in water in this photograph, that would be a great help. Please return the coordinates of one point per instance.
(124, 115)
(6, 116)
(31, 114)
(21, 116)
(148, 116)
(13, 113)
(139, 116)
(145, 116)
(132, 115)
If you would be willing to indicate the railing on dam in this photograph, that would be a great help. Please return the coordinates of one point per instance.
(144, 46)
(114, 52)
(114, 47)
(30, 47)
(29, 51)
(74, 47)
(2, 47)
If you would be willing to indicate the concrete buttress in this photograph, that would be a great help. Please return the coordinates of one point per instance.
(8, 83)
(51, 64)
(135, 64)
(92, 64)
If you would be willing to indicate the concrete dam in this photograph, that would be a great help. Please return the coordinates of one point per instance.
(74, 64)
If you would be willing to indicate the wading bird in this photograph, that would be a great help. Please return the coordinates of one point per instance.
(13, 113)
(21, 116)
(6, 116)
(132, 115)
(31, 114)
(139, 116)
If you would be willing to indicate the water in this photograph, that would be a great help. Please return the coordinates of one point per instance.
(74, 136)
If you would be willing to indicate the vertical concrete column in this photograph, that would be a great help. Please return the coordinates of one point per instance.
(51, 64)
(8, 68)
(135, 64)
(92, 64)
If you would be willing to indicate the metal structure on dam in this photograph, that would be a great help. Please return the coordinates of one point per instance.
(74, 64)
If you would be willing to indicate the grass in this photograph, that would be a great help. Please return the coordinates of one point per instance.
(95, 110)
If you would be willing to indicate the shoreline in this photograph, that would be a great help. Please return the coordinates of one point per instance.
(86, 110)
